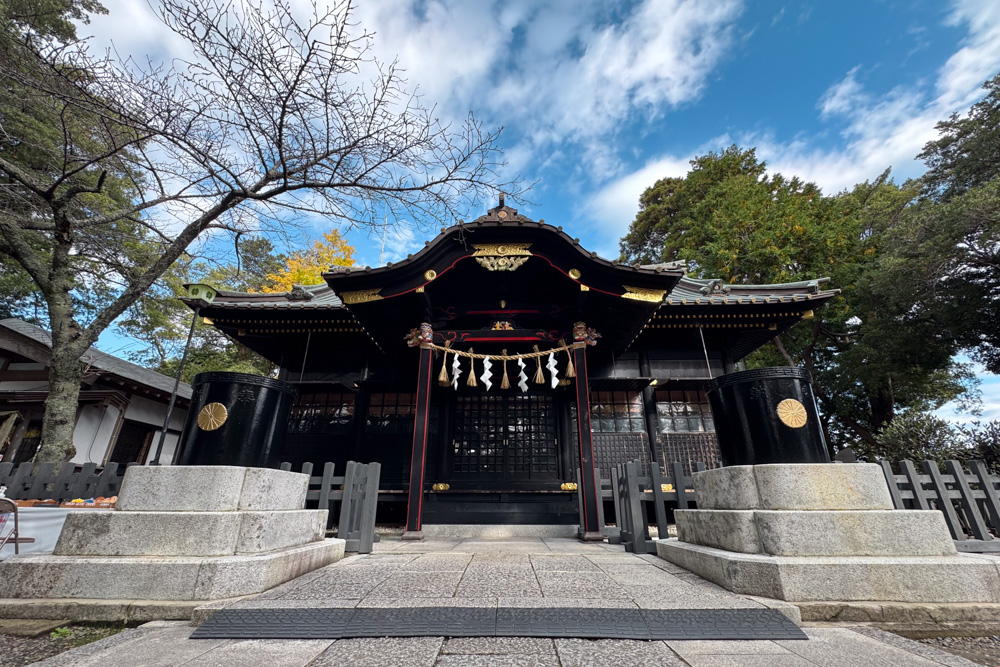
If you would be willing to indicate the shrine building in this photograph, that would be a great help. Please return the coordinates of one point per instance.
(483, 370)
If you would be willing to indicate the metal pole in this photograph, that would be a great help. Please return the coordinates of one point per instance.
(173, 394)
(704, 349)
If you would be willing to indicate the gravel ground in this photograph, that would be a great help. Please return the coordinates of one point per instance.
(984, 650)
(17, 651)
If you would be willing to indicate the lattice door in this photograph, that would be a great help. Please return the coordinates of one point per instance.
(504, 438)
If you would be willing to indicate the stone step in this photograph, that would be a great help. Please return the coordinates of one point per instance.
(160, 577)
(187, 533)
(959, 578)
(818, 533)
(211, 489)
(799, 486)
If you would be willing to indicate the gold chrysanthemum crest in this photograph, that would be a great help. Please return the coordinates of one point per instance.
(792, 413)
(212, 416)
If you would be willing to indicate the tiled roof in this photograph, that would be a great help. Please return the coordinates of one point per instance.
(303, 297)
(103, 361)
(700, 292)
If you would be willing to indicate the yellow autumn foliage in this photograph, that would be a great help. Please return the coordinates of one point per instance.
(305, 267)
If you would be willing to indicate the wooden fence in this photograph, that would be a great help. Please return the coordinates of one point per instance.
(969, 500)
(66, 484)
(639, 497)
(357, 493)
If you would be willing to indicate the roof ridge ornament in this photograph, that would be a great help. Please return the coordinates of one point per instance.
(300, 293)
(715, 286)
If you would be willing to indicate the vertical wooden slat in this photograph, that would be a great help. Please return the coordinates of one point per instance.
(78, 487)
(307, 468)
(63, 481)
(42, 478)
(21, 481)
(992, 502)
(637, 527)
(677, 475)
(325, 487)
(6, 469)
(344, 524)
(919, 495)
(944, 501)
(659, 500)
(969, 505)
(106, 480)
(890, 480)
(286, 466)
(368, 507)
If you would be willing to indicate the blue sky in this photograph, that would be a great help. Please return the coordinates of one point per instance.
(599, 99)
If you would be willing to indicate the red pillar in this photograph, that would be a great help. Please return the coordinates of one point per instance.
(418, 459)
(590, 528)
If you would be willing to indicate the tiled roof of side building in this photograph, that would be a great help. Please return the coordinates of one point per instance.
(302, 297)
(103, 361)
(691, 291)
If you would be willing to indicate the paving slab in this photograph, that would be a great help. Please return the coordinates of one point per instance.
(580, 585)
(391, 603)
(562, 563)
(262, 653)
(474, 660)
(614, 653)
(381, 651)
(752, 660)
(82, 654)
(418, 585)
(439, 562)
(498, 646)
(578, 603)
(841, 647)
(685, 648)
(164, 647)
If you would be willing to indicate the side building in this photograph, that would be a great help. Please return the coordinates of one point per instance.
(121, 408)
(505, 284)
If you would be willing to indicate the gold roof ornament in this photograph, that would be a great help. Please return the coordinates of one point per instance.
(212, 416)
(361, 296)
(792, 413)
(644, 294)
(501, 256)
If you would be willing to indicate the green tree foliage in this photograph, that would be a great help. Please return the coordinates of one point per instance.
(729, 218)
(914, 436)
(949, 250)
(161, 321)
(967, 155)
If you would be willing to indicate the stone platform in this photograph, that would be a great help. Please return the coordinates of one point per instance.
(501, 575)
(818, 532)
(178, 535)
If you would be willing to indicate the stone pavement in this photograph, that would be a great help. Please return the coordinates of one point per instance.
(504, 573)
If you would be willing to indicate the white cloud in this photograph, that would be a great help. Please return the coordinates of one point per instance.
(615, 206)
(560, 71)
(842, 97)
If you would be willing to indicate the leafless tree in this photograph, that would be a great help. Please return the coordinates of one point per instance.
(111, 169)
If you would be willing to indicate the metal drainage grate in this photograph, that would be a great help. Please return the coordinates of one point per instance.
(337, 623)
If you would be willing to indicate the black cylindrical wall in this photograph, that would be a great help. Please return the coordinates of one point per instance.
(767, 415)
(236, 419)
